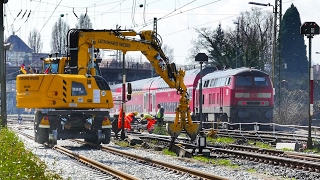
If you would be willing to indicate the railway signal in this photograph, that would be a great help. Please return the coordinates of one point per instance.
(310, 29)
(201, 142)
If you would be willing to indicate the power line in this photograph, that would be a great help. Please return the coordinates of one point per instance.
(50, 16)
(166, 16)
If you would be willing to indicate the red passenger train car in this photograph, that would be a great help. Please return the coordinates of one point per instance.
(233, 95)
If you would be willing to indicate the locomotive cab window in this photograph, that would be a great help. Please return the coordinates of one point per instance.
(260, 81)
(244, 81)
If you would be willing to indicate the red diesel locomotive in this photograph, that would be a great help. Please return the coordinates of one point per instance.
(233, 95)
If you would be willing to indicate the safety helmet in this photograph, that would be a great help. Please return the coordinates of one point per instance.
(135, 113)
(141, 115)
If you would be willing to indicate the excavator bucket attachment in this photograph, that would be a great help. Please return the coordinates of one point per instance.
(174, 129)
(192, 130)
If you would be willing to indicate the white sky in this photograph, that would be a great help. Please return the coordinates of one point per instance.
(177, 18)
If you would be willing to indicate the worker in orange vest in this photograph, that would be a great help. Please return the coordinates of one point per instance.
(151, 121)
(127, 120)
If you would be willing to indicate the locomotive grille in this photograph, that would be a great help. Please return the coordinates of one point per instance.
(253, 103)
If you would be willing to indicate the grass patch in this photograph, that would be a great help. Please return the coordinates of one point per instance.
(223, 140)
(166, 151)
(122, 143)
(286, 149)
(202, 159)
(313, 150)
(261, 144)
(18, 163)
(220, 162)
(251, 170)
(161, 130)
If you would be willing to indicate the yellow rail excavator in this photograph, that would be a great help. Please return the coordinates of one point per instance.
(70, 91)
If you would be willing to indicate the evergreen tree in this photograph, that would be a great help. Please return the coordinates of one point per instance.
(293, 48)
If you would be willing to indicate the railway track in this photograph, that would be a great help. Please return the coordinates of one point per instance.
(108, 171)
(299, 161)
(153, 164)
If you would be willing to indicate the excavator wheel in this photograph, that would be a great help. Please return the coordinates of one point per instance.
(41, 135)
(35, 123)
(107, 136)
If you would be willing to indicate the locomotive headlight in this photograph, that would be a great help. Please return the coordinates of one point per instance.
(242, 103)
(266, 103)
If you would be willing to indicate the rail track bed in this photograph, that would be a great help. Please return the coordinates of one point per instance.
(91, 157)
(299, 165)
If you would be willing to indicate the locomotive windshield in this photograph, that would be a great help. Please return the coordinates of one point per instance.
(251, 80)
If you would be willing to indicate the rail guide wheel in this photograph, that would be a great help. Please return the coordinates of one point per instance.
(53, 138)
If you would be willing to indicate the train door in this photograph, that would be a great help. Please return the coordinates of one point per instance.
(224, 116)
(220, 100)
(153, 102)
(146, 103)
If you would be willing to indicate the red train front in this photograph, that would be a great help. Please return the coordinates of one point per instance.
(235, 95)
(242, 95)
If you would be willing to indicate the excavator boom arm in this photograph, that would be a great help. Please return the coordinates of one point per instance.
(149, 45)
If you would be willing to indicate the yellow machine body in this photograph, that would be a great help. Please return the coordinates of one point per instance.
(54, 89)
(61, 91)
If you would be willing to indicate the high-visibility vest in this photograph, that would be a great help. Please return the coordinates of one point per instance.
(159, 112)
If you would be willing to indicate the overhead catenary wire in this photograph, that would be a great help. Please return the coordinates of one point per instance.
(50, 16)
(168, 16)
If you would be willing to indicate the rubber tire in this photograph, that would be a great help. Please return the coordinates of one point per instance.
(107, 136)
(35, 122)
(41, 134)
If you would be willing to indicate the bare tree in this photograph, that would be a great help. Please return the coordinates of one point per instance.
(293, 103)
(84, 22)
(34, 41)
(59, 36)
(168, 51)
(254, 39)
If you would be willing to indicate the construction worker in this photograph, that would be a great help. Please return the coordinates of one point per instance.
(127, 120)
(160, 115)
(151, 121)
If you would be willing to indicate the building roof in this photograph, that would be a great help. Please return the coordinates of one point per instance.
(18, 44)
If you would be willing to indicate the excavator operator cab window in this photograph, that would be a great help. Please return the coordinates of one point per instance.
(51, 68)
(96, 66)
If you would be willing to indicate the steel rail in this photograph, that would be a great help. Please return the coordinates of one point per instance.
(164, 164)
(96, 164)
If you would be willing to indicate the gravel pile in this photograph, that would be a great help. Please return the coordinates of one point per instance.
(69, 169)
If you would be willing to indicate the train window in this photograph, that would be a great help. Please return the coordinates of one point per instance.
(210, 97)
(202, 98)
(206, 83)
(220, 82)
(244, 81)
(260, 81)
(228, 81)
(212, 83)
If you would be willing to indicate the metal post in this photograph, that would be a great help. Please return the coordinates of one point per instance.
(238, 42)
(309, 142)
(200, 97)
(3, 72)
(123, 96)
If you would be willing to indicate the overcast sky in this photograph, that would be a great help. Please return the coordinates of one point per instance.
(177, 18)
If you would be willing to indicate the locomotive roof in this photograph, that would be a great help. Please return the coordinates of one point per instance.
(190, 79)
(232, 72)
